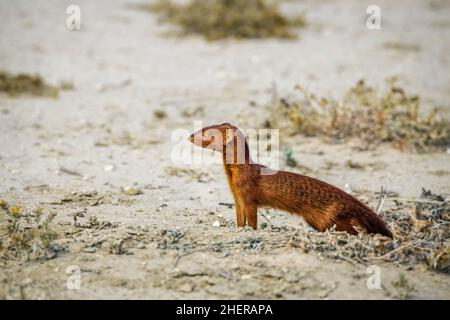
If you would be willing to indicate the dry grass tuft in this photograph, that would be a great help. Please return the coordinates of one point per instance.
(373, 117)
(421, 236)
(225, 19)
(160, 114)
(15, 85)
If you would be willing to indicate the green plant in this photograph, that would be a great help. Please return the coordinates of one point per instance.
(290, 160)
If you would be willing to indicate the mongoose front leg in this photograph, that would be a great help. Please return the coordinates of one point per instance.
(240, 214)
(251, 213)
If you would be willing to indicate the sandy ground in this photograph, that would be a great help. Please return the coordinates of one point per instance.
(123, 70)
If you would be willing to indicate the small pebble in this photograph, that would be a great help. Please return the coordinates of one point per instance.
(132, 191)
(108, 168)
(89, 249)
(348, 188)
(216, 223)
(141, 245)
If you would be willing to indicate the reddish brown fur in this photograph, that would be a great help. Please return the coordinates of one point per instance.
(320, 204)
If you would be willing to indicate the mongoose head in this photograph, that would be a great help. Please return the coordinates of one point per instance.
(215, 137)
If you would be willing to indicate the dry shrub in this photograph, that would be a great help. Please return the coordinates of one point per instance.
(26, 235)
(421, 236)
(15, 85)
(223, 19)
(367, 114)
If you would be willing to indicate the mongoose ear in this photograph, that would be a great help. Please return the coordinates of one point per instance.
(229, 135)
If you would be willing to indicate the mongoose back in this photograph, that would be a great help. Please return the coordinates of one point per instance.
(320, 204)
